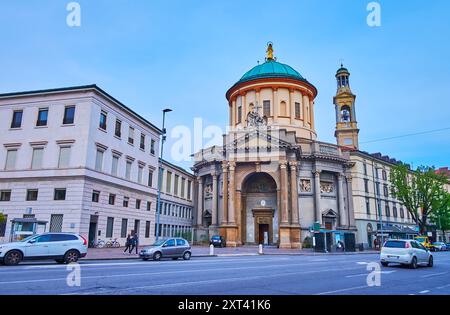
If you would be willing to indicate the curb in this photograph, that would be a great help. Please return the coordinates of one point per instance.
(134, 258)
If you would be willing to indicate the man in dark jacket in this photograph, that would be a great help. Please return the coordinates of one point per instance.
(134, 243)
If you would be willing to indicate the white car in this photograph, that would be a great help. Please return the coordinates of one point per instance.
(405, 252)
(62, 247)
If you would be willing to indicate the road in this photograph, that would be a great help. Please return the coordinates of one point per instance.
(244, 275)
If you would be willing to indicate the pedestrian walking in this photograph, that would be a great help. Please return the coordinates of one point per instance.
(136, 242)
(127, 243)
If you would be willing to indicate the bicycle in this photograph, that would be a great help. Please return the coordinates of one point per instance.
(112, 243)
(99, 244)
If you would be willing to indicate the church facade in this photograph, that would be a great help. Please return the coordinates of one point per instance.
(272, 180)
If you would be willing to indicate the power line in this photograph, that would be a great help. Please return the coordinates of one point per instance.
(407, 135)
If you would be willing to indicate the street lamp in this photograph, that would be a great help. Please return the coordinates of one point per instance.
(158, 204)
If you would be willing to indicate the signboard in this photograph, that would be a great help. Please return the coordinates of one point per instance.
(316, 226)
(430, 234)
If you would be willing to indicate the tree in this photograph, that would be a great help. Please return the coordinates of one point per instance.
(417, 191)
(2, 217)
(441, 215)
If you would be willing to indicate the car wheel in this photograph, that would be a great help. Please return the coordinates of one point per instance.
(59, 261)
(384, 264)
(71, 256)
(145, 259)
(157, 256)
(430, 262)
(13, 258)
(187, 255)
(414, 263)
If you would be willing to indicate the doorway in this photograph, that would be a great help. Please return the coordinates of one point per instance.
(92, 230)
(264, 234)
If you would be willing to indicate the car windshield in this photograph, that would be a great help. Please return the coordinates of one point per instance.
(28, 238)
(158, 243)
(420, 239)
(395, 244)
(216, 237)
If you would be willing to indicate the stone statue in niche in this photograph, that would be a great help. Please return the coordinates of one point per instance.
(305, 185)
(208, 191)
(326, 187)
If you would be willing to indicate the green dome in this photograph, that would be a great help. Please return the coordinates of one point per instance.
(271, 69)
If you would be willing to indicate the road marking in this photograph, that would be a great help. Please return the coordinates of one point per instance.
(342, 290)
(362, 263)
(435, 274)
(366, 274)
(443, 287)
(424, 291)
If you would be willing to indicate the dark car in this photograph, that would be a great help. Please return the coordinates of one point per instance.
(217, 241)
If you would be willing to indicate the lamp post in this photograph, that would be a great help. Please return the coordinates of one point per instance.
(378, 201)
(158, 204)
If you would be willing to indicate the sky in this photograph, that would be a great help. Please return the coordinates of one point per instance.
(186, 54)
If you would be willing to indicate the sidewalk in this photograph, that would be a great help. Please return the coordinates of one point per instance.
(203, 251)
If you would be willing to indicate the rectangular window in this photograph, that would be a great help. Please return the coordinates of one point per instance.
(142, 143)
(388, 211)
(112, 199)
(36, 159)
(3, 226)
(147, 229)
(175, 189)
(150, 179)
(239, 114)
(109, 227)
(126, 200)
(103, 118)
(95, 196)
(189, 197)
(42, 117)
(99, 161)
(368, 206)
(152, 147)
(366, 185)
(114, 165)
(69, 115)
(60, 194)
(128, 170)
(365, 168)
(266, 108)
(297, 110)
(17, 119)
(138, 204)
(118, 129)
(149, 205)
(386, 190)
(124, 228)
(64, 157)
(377, 185)
(11, 156)
(183, 189)
(32, 194)
(5, 195)
(140, 171)
(131, 135)
(169, 182)
(56, 223)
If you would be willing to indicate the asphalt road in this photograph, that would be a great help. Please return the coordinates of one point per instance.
(248, 275)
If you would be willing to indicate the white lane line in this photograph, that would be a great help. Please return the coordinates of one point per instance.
(366, 274)
(166, 272)
(343, 290)
(443, 287)
(424, 292)
(362, 263)
(221, 280)
(434, 274)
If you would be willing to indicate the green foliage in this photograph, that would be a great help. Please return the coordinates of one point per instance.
(441, 214)
(418, 191)
(307, 242)
(2, 217)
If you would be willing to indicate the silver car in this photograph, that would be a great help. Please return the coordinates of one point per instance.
(405, 252)
(170, 248)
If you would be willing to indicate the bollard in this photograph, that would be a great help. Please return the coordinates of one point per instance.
(211, 250)
(260, 250)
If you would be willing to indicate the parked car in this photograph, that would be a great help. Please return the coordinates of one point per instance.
(405, 252)
(425, 241)
(448, 246)
(171, 248)
(62, 247)
(439, 246)
(217, 241)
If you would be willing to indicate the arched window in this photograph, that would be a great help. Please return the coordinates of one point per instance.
(345, 114)
(283, 109)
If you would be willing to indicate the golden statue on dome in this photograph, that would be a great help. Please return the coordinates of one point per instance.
(270, 51)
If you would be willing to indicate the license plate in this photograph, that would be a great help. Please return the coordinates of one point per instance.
(396, 257)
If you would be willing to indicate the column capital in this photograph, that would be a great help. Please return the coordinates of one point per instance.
(199, 180)
(214, 175)
(317, 173)
(293, 165)
(283, 164)
(349, 178)
(232, 166)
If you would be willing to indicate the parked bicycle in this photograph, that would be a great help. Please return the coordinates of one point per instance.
(112, 243)
(99, 244)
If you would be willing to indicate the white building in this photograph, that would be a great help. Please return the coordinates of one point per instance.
(80, 160)
(177, 203)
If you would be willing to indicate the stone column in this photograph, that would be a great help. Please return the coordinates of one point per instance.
(275, 105)
(233, 113)
(244, 110)
(225, 193)
(294, 194)
(318, 215)
(304, 102)
(342, 215)
(231, 214)
(200, 201)
(214, 200)
(292, 105)
(284, 192)
(311, 111)
(351, 210)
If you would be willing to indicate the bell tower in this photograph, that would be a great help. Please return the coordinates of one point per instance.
(346, 125)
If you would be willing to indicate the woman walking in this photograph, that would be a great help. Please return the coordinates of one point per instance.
(128, 244)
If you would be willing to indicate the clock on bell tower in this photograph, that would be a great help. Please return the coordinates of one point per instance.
(346, 125)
